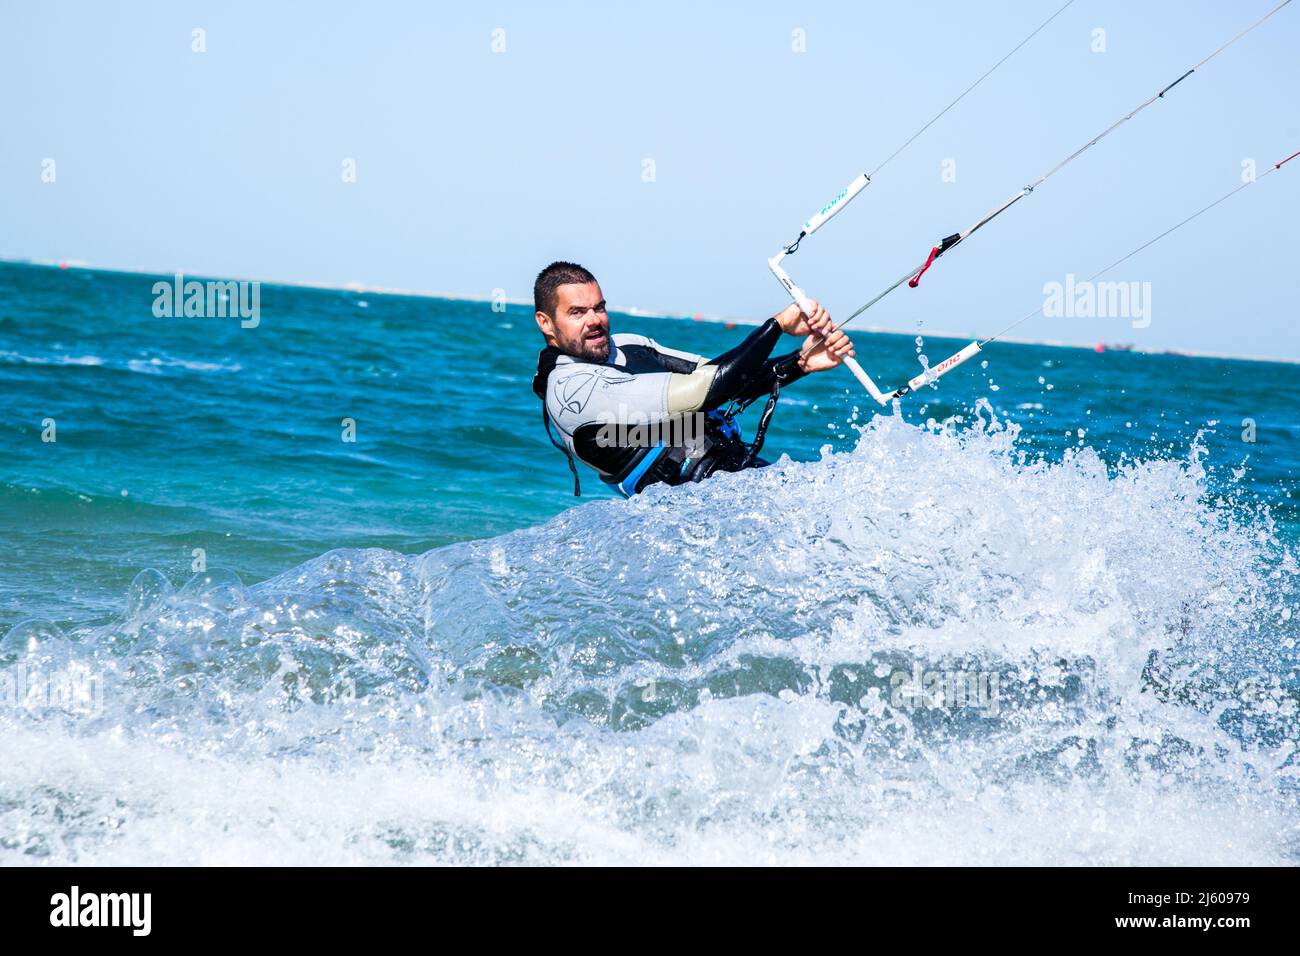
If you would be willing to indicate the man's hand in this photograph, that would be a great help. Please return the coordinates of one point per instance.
(818, 353)
(794, 322)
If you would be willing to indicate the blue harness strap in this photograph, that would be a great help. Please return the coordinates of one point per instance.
(726, 425)
(628, 485)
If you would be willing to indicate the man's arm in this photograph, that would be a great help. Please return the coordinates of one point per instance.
(786, 367)
(716, 382)
(691, 357)
(747, 372)
(585, 393)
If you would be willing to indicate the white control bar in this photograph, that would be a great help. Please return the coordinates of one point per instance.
(801, 299)
(824, 215)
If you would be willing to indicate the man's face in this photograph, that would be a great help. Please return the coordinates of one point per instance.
(580, 326)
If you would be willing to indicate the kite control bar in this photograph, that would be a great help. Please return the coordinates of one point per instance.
(797, 294)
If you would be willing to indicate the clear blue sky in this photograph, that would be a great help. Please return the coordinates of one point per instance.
(476, 168)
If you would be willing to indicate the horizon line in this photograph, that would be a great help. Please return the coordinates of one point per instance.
(356, 286)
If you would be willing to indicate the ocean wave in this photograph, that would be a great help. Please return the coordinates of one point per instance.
(935, 648)
(154, 365)
(150, 365)
(17, 358)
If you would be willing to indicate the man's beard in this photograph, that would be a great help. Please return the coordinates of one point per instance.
(595, 351)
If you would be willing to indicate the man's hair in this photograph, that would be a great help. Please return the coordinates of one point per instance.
(551, 278)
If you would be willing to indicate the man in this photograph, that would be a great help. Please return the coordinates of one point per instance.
(594, 385)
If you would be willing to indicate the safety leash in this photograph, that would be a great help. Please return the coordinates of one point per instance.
(847, 194)
(950, 363)
(913, 276)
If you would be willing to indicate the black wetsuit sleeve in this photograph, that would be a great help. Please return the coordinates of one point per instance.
(745, 367)
(784, 366)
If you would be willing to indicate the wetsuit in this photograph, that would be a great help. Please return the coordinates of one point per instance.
(653, 414)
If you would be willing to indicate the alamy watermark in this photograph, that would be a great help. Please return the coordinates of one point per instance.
(946, 690)
(130, 910)
(1087, 299)
(210, 299)
(74, 689)
(630, 428)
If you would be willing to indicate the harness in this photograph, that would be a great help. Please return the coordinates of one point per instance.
(568, 455)
(724, 448)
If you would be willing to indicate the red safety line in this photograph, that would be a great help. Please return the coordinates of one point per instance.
(916, 279)
(1288, 159)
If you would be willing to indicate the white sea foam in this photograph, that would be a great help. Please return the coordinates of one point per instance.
(17, 358)
(156, 363)
(152, 365)
(709, 674)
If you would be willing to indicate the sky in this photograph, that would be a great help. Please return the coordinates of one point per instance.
(671, 148)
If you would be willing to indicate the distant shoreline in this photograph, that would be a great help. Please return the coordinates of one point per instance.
(635, 312)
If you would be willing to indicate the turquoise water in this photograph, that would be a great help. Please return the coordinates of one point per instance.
(418, 647)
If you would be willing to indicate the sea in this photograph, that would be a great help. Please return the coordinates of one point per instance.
(314, 588)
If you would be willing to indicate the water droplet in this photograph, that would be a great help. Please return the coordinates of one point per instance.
(147, 589)
(26, 636)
